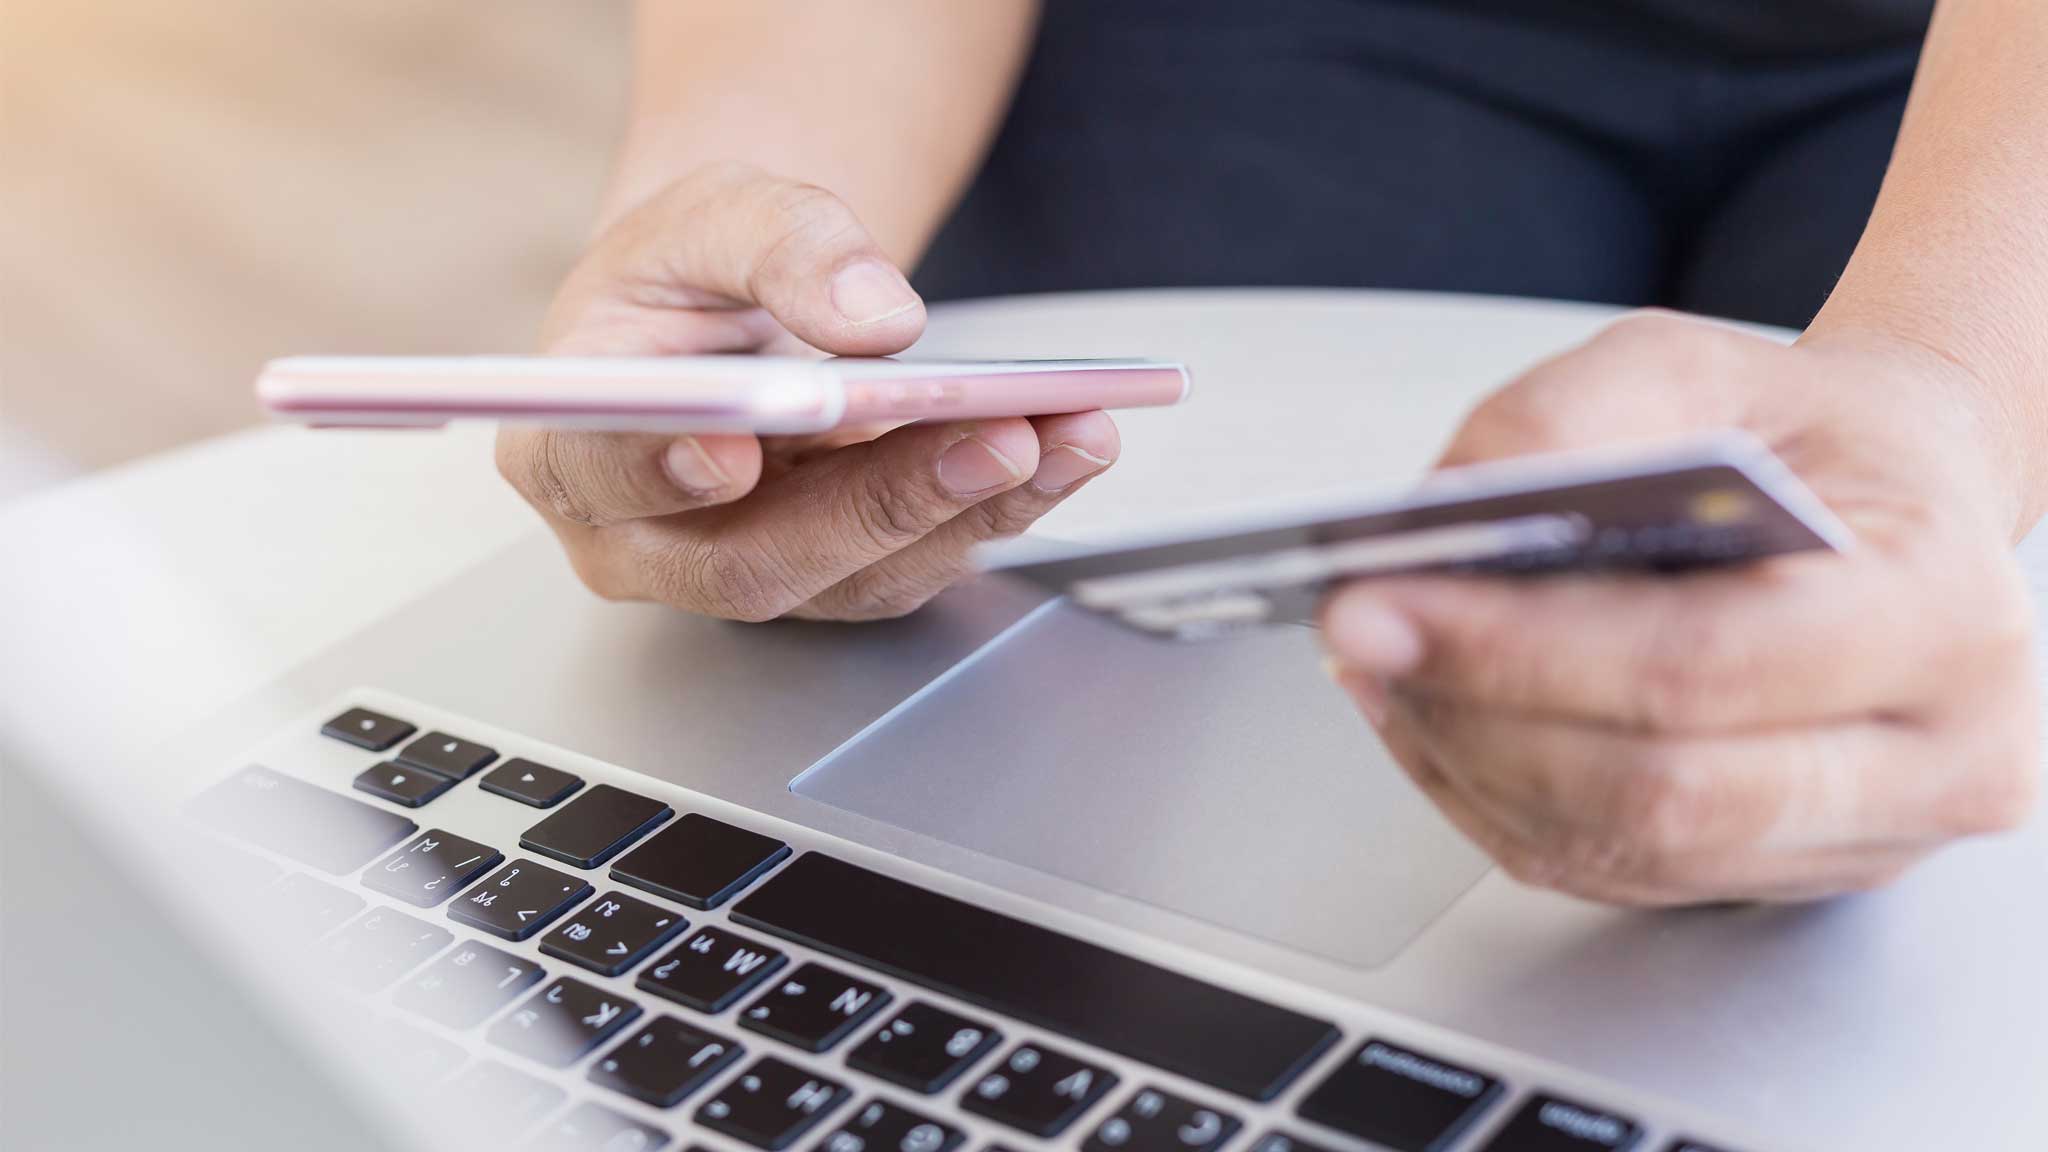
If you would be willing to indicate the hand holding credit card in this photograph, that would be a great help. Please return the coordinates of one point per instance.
(1718, 498)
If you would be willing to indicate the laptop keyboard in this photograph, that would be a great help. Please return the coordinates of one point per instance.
(702, 982)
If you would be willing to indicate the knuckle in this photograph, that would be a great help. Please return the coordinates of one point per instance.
(873, 593)
(708, 575)
(1004, 517)
(1678, 680)
(1528, 416)
(1681, 347)
(1651, 325)
(550, 482)
(804, 219)
(1659, 808)
(888, 515)
(1532, 869)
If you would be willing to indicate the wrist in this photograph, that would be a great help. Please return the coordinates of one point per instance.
(2005, 412)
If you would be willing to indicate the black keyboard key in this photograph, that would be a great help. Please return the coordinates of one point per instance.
(595, 826)
(301, 907)
(379, 946)
(463, 988)
(700, 861)
(612, 933)
(519, 899)
(1038, 1090)
(592, 1127)
(430, 869)
(664, 1062)
(1155, 1121)
(450, 756)
(813, 1007)
(366, 729)
(292, 818)
(1401, 1099)
(771, 1104)
(559, 1023)
(1283, 1142)
(1221, 1038)
(1682, 1144)
(880, 1126)
(530, 783)
(496, 1103)
(406, 787)
(1552, 1124)
(923, 1048)
(710, 969)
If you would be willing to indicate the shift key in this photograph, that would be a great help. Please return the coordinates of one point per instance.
(309, 824)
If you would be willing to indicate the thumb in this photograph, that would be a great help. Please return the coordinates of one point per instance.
(734, 236)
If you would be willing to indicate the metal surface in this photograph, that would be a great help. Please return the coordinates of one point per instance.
(1230, 782)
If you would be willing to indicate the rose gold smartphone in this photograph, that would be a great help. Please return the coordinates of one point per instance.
(747, 394)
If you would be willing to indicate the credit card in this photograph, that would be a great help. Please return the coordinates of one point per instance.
(1715, 499)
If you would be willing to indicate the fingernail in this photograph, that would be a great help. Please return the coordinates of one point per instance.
(1367, 691)
(1370, 637)
(1065, 466)
(692, 468)
(870, 292)
(971, 466)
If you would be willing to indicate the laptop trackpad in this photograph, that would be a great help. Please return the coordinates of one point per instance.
(1229, 781)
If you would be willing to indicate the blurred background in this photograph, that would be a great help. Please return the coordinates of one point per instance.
(189, 187)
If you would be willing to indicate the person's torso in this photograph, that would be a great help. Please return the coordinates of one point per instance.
(1735, 27)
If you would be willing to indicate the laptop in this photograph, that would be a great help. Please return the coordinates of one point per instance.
(518, 868)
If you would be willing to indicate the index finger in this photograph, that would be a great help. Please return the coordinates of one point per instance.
(1787, 640)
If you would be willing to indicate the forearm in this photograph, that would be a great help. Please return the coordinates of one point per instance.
(1955, 258)
(891, 106)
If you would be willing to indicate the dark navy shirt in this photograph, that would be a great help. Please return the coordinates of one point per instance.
(1749, 27)
(1718, 155)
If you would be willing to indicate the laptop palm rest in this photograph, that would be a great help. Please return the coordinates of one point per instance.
(1228, 781)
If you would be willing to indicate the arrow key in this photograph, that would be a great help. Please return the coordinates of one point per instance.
(519, 899)
(366, 729)
(451, 756)
(530, 783)
(402, 785)
(613, 933)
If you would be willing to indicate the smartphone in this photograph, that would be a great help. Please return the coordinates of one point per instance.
(746, 394)
(1715, 499)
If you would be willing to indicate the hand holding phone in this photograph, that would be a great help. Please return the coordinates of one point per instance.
(774, 517)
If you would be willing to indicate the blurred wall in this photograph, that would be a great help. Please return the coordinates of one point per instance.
(188, 187)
